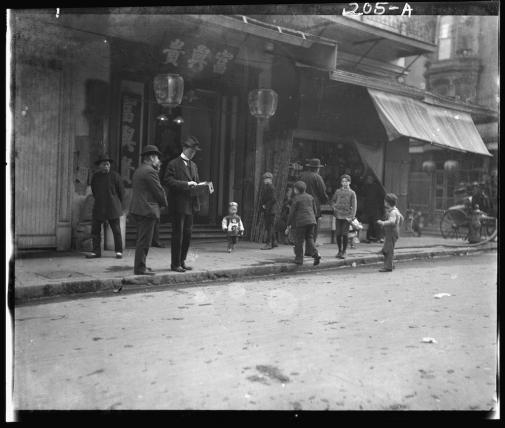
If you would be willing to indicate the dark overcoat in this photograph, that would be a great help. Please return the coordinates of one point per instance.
(147, 193)
(302, 211)
(177, 176)
(268, 200)
(316, 188)
(108, 192)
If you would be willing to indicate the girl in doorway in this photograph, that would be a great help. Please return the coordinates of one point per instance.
(344, 209)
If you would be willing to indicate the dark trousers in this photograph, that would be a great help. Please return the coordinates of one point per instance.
(304, 233)
(182, 226)
(316, 229)
(232, 240)
(388, 248)
(145, 228)
(96, 227)
(156, 232)
(269, 227)
(342, 232)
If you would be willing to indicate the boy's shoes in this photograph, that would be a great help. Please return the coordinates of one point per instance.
(385, 270)
(229, 250)
(158, 245)
(317, 260)
(339, 255)
(267, 247)
(93, 256)
(298, 262)
(178, 269)
(343, 255)
(274, 245)
(119, 255)
(186, 267)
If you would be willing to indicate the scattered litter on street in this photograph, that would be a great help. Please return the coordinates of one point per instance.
(428, 340)
(440, 295)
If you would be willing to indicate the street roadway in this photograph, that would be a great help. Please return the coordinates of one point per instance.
(346, 339)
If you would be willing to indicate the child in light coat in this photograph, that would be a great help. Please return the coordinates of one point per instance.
(232, 225)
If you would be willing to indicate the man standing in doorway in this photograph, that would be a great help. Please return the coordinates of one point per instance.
(181, 177)
(316, 188)
(108, 192)
(147, 198)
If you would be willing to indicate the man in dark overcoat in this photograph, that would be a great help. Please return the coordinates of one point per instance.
(315, 188)
(108, 192)
(147, 197)
(373, 207)
(181, 177)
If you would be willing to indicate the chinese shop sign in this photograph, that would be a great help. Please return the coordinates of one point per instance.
(131, 105)
(197, 57)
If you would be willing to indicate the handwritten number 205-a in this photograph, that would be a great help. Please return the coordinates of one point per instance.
(379, 9)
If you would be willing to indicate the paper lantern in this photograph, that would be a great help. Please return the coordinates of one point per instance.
(451, 165)
(429, 166)
(262, 103)
(168, 89)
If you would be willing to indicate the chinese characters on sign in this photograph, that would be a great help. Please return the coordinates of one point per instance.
(130, 135)
(196, 58)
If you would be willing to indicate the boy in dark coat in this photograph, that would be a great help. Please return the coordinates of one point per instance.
(108, 192)
(391, 226)
(269, 207)
(302, 217)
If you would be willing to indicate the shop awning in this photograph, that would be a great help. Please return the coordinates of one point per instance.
(403, 116)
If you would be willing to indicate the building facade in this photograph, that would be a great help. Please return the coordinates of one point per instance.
(83, 85)
(464, 70)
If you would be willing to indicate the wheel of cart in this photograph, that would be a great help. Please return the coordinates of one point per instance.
(455, 223)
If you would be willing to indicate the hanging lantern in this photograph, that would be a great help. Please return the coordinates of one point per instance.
(262, 103)
(168, 89)
(451, 165)
(429, 166)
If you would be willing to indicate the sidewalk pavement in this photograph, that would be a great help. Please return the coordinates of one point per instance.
(58, 274)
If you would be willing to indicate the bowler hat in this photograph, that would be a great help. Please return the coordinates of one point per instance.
(150, 149)
(314, 163)
(268, 175)
(192, 142)
(103, 158)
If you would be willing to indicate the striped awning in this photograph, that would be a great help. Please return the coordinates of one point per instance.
(403, 116)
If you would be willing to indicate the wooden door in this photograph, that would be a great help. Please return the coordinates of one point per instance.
(36, 138)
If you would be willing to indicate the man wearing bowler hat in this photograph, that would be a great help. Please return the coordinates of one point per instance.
(147, 197)
(108, 192)
(315, 188)
(181, 176)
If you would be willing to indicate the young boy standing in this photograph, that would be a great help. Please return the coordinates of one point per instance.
(232, 225)
(302, 217)
(391, 230)
(268, 207)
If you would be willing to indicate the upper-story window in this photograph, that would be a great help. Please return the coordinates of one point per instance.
(444, 37)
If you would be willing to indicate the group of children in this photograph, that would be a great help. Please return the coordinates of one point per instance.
(298, 221)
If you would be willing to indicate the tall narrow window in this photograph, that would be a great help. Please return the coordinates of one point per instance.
(444, 37)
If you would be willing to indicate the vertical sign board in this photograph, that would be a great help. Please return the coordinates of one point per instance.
(129, 135)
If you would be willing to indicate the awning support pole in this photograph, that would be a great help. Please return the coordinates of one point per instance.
(367, 52)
